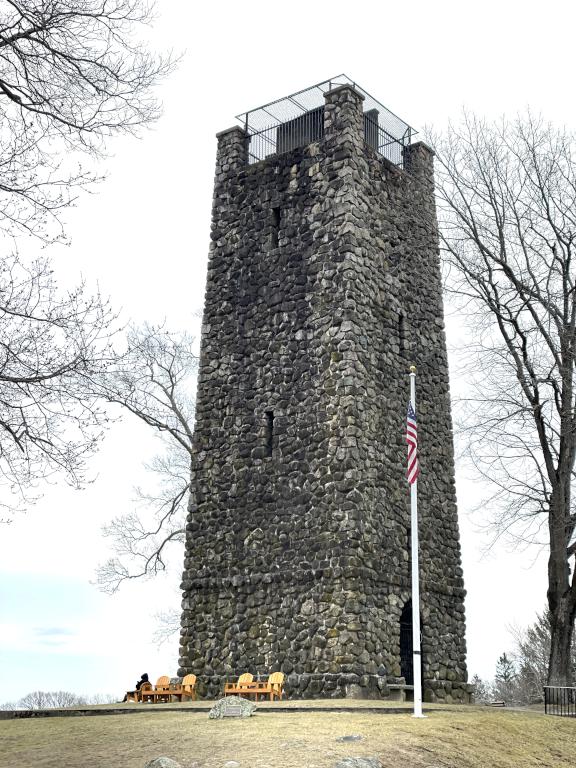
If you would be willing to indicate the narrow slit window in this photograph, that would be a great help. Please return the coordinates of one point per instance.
(275, 227)
(402, 333)
(269, 432)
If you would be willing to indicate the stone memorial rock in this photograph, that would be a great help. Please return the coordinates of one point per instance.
(232, 706)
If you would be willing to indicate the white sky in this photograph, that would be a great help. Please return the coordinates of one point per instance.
(143, 237)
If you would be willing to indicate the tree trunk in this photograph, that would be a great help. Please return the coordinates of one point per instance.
(561, 594)
(562, 628)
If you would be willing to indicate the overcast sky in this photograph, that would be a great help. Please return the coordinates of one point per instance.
(143, 237)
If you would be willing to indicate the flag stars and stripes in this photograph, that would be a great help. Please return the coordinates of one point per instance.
(412, 440)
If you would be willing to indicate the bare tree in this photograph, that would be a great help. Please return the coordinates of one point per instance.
(51, 344)
(153, 380)
(100, 698)
(72, 73)
(531, 657)
(34, 700)
(507, 205)
(482, 689)
(66, 699)
(50, 700)
(56, 699)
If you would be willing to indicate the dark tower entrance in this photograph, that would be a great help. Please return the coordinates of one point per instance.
(406, 645)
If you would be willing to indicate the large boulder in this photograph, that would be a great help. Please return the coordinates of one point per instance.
(232, 706)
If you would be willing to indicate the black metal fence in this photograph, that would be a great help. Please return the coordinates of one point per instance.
(298, 120)
(384, 143)
(309, 127)
(278, 139)
(560, 700)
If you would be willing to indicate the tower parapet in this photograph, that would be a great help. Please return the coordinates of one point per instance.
(323, 287)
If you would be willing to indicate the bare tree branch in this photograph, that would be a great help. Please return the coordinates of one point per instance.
(72, 74)
(153, 380)
(51, 344)
(507, 206)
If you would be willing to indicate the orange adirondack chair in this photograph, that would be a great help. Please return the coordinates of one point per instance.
(189, 687)
(160, 692)
(136, 696)
(185, 689)
(276, 685)
(242, 685)
(162, 689)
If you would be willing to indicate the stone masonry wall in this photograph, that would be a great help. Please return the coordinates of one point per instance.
(323, 287)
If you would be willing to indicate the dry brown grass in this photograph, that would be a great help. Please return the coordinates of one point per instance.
(459, 737)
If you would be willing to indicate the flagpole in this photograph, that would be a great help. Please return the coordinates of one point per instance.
(417, 655)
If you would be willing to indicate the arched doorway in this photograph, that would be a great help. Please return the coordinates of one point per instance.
(406, 645)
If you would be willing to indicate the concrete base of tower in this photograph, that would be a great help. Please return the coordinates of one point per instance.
(448, 692)
(336, 686)
(351, 686)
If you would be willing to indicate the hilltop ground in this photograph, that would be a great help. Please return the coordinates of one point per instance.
(450, 737)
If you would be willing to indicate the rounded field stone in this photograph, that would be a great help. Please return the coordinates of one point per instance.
(162, 762)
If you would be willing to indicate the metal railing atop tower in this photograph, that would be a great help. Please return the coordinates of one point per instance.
(297, 120)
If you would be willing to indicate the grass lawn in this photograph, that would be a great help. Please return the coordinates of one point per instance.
(455, 737)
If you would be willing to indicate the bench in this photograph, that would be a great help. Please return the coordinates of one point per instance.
(400, 692)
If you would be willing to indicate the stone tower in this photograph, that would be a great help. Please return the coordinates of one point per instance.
(323, 287)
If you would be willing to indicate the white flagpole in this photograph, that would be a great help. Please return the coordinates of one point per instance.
(417, 655)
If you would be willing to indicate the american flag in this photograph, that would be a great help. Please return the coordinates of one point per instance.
(412, 440)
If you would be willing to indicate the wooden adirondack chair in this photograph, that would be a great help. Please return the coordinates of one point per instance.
(135, 695)
(145, 687)
(146, 694)
(189, 688)
(162, 689)
(274, 686)
(241, 686)
(276, 681)
(185, 689)
(160, 692)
